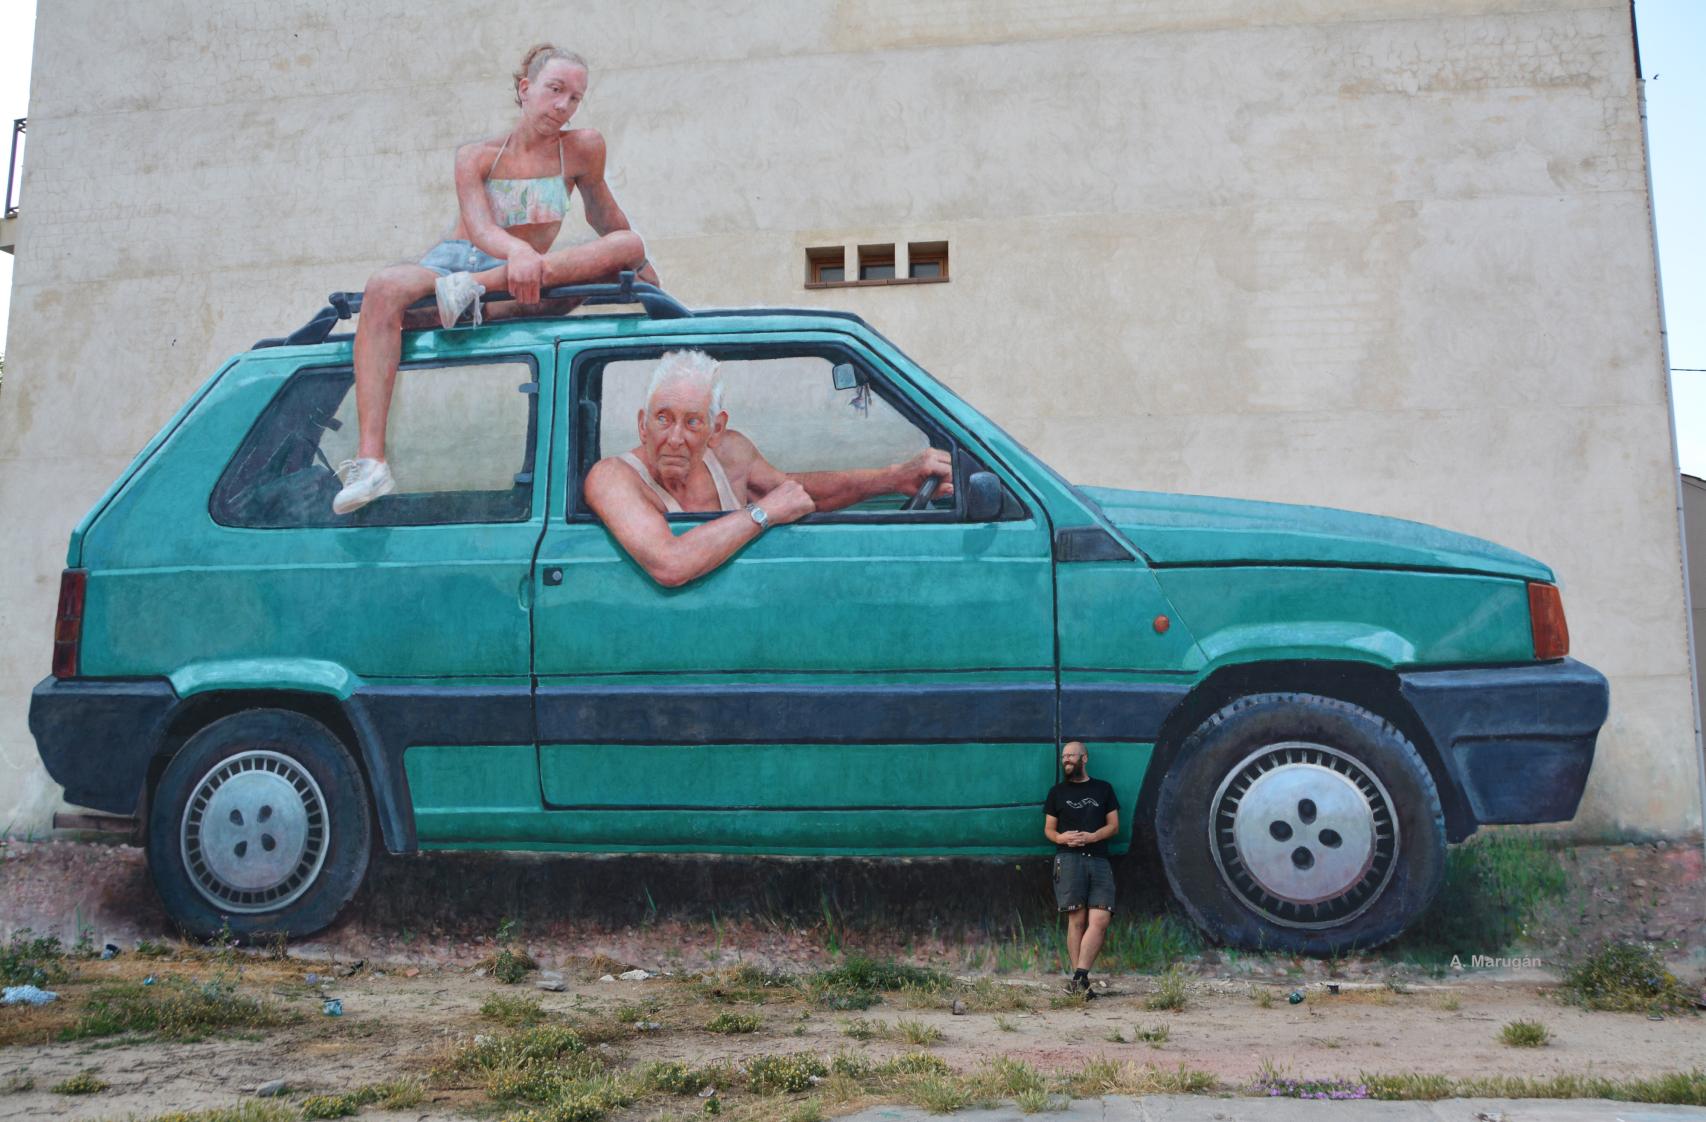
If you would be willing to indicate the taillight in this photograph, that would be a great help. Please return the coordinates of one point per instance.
(68, 622)
(1546, 619)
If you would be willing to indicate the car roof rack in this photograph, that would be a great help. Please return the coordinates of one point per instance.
(343, 305)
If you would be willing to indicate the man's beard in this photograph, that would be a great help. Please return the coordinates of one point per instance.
(1069, 769)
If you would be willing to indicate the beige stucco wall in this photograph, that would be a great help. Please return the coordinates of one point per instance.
(1392, 255)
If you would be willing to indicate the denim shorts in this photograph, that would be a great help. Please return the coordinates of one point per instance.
(1082, 880)
(458, 256)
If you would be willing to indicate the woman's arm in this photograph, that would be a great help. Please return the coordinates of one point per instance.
(603, 213)
(477, 219)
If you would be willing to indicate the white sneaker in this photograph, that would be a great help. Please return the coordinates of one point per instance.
(455, 293)
(364, 481)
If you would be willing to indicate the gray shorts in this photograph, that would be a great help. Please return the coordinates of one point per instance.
(1082, 880)
(458, 255)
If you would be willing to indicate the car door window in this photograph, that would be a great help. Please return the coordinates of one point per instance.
(795, 410)
(460, 445)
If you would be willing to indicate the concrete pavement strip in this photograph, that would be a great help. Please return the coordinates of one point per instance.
(1201, 1108)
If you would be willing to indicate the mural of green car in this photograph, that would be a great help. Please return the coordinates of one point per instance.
(1305, 706)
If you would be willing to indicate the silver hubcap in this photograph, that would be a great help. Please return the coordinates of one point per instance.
(255, 832)
(1304, 834)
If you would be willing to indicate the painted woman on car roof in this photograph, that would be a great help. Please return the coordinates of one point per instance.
(512, 194)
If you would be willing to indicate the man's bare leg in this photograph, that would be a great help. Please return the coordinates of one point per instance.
(1076, 920)
(379, 347)
(1090, 943)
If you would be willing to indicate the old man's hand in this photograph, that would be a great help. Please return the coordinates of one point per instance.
(932, 461)
(788, 502)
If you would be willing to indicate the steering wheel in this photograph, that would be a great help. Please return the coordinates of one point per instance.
(925, 493)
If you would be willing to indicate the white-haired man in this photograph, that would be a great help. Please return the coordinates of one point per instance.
(688, 459)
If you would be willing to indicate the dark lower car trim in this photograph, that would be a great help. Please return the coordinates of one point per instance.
(1518, 740)
(97, 735)
(842, 713)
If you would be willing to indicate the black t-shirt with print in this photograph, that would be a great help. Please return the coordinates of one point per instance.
(1082, 806)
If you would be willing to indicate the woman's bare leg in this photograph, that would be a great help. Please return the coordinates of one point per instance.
(579, 264)
(379, 347)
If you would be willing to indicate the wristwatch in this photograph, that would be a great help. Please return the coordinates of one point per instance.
(758, 515)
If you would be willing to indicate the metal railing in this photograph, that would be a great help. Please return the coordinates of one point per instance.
(12, 167)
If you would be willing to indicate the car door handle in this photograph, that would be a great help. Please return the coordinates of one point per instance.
(553, 575)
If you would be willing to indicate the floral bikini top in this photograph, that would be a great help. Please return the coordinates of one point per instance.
(525, 202)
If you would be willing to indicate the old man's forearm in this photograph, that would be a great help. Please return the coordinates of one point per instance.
(832, 490)
(700, 549)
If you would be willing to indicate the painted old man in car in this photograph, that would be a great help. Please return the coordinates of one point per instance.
(689, 460)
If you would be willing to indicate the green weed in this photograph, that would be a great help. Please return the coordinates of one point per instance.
(733, 1023)
(1624, 977)
(175, 1009)
(30, 960)
(1525, 1034)
(768, 1075)
(83, 1083)
(513, 1011)
(1170, 992)
(919, 1034)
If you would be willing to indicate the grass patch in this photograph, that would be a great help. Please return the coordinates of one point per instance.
(770, 1075)
(175, 1009)
(670, 1078)
(862, 1030)
(940, 1095)
(859, 982)
(1154, 1037)
(1525, 1034)
(1494, 883)
(1624, 977)
(1170, 992)
(1682, 1088)
(1262, 996)
(729, 1022)
(83, 1083)
(1005, 1025)
(517, 1012)
(1450, 1003)
(746, 984)
(918, 1034)
(1105, 1076)
(151, 948)
(1138, 944)
(396, 1095)
(538, 1045)
(31, 960)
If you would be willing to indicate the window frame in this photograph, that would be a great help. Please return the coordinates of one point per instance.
(248, 446)
(593, 360)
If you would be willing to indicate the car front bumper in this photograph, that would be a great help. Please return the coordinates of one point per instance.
(1517, 740)
(97, 735)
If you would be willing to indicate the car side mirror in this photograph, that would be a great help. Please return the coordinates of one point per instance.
(845, 375)
(983, 497)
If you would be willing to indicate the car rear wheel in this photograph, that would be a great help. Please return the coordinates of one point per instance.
(1301, 823)
(259, 824)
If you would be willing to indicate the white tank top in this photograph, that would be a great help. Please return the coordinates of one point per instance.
(725, 493)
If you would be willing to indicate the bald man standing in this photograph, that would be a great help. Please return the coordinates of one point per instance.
(1080, 815)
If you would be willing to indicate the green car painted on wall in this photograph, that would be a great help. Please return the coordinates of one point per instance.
(1304, 706)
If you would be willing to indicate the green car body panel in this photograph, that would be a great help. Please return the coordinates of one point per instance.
(839, 687)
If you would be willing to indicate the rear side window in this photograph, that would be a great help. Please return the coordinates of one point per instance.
(460, 444)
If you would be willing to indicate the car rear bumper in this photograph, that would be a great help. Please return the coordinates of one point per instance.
(96, 736)
(1517, 740)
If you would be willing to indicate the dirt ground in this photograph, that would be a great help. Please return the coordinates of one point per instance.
(404, 966)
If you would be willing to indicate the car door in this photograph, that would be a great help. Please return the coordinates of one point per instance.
(416, 605)
(871, 680)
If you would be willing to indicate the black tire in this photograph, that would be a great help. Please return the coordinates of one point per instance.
(249, 857)
(1263, 846)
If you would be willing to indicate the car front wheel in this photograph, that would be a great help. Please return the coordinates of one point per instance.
(259, 825)
(1302, 823)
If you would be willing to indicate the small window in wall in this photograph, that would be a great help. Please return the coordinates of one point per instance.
(876, 262)
(826, 265)
(927, 261)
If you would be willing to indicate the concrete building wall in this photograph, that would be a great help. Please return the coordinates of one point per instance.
(1391, 255)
